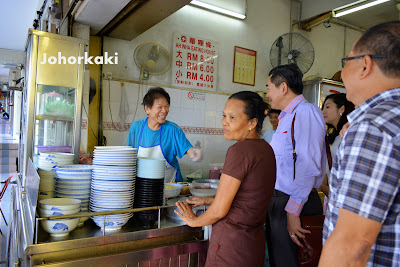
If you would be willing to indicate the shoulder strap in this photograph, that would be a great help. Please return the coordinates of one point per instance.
(294, 150)
(328, 152)
(328, 148)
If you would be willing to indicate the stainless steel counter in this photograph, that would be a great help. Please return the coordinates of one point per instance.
(171, 244)
(133, 244)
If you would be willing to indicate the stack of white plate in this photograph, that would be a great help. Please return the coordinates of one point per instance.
(47, 184)
(73, 181)
(113, 184)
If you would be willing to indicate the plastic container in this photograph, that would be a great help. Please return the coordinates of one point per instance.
(215, 170)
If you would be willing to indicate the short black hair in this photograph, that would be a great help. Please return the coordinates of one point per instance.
(277, 111)
(382, 39)
(254, 106)
(153, 94)
(290, 74)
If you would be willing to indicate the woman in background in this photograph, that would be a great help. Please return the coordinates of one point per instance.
(245, 189)
(335, 109)
(273, 115)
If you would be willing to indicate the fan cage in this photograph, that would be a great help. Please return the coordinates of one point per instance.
(293, 48)
(143, 53)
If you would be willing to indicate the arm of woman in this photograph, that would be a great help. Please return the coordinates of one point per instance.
(226, 192)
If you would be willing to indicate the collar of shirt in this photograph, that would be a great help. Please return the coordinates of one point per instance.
(291, 106)
(373, 102)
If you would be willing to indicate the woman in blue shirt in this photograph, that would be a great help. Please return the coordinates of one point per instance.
(155, 137)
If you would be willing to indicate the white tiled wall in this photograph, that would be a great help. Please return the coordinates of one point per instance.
(183, 111)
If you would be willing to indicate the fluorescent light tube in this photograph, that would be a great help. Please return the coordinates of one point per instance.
(357, 8)
(217, 9)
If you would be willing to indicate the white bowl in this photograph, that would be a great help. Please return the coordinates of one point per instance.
(74, 176)
(111, 224)
(48, 169)
(46, 173)
(49, 213)
(41, 197)
(44, 187)
(60, 204)
(59, 228)
(57, 155)
(47, 194)
(72, 187)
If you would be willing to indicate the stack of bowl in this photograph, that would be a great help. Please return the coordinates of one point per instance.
(55, 207)
(149, 190)
(73, 181)
(113, 184)
(46, 184)
(48, 161)
(47, 164)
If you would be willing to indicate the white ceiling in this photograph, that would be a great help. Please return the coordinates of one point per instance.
(98, 13)
(16, 18)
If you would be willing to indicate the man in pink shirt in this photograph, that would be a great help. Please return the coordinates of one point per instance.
(296, 182)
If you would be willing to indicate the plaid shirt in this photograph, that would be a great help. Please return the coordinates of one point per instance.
(365, 179)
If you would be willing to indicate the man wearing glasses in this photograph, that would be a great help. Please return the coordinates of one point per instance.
(362, 224)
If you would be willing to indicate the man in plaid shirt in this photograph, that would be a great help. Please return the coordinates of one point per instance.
(362, 224)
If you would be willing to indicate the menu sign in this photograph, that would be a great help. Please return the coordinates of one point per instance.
(194, 62)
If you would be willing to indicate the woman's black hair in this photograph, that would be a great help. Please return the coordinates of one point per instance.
(340, 100)
(153, 94)
(255, 106)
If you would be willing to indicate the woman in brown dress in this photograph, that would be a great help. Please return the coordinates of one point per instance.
(246, 186)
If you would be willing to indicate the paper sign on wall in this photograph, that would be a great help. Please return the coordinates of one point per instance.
(194, 62)
(244, 66)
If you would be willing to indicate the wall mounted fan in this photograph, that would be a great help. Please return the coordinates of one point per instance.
(292, 48)
(152, 58)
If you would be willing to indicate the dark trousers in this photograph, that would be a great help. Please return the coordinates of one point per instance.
(282, 250)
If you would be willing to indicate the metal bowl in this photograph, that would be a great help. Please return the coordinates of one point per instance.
(203, 181)
(169, 212)
(203, 189)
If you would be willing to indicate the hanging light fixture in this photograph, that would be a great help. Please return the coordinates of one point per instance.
(217, 9)
(356, 6)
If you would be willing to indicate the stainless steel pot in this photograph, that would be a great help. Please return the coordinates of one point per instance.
(169, 212)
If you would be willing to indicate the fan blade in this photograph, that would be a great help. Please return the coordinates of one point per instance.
(154, 53)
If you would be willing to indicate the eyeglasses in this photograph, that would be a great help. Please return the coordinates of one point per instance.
(344, 60)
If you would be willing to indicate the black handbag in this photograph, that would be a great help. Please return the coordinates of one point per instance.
(309, 254)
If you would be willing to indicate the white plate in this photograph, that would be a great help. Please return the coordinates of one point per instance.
(114, 147)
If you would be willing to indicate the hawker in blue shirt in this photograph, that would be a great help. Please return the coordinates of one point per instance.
(155, 137)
